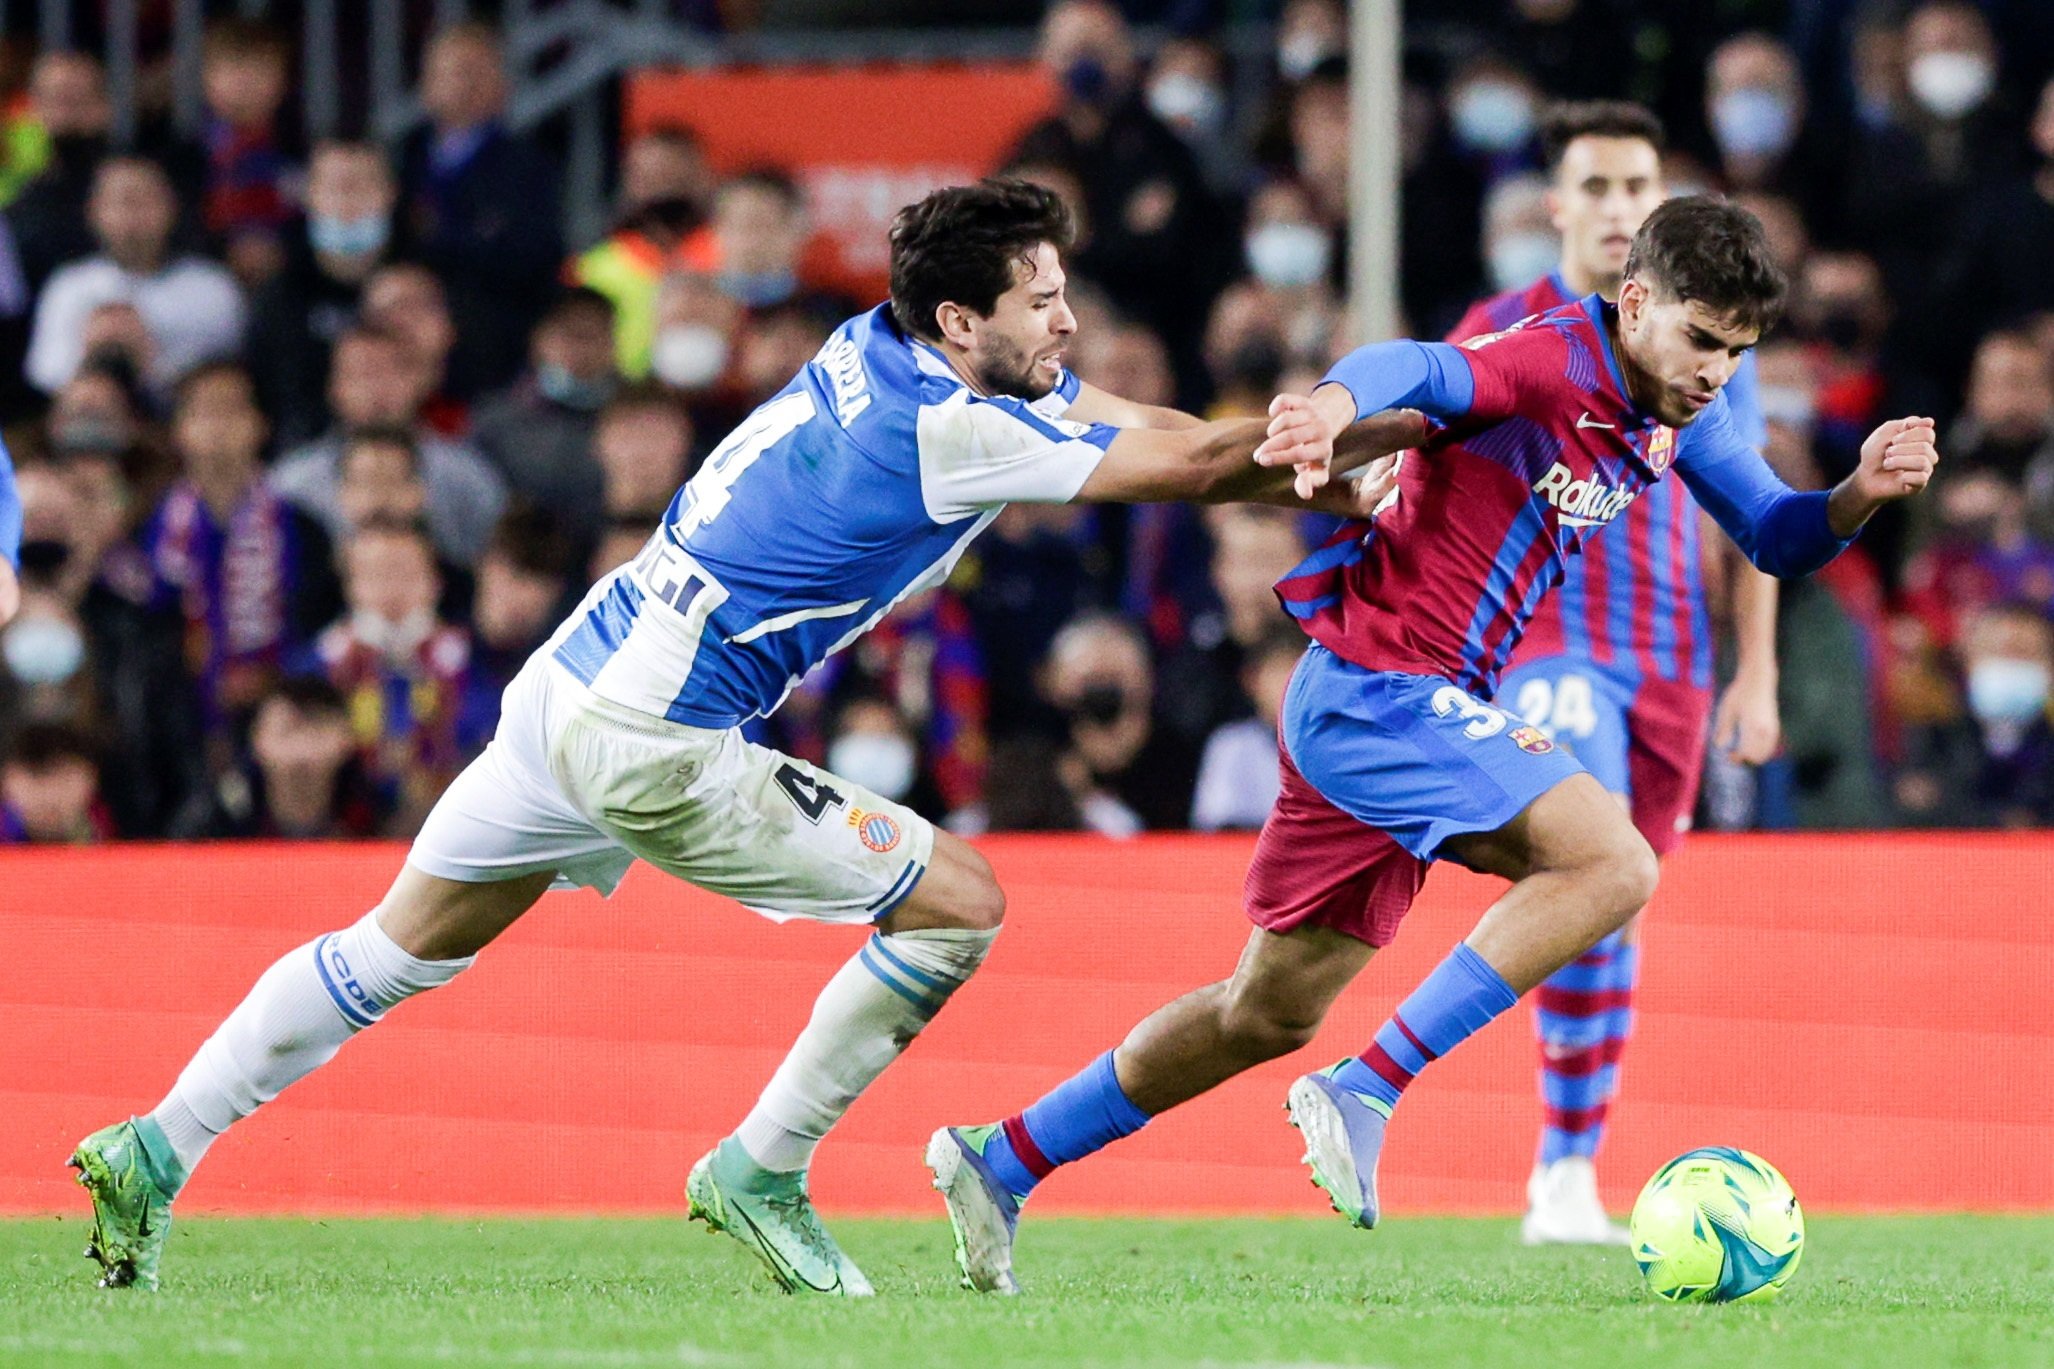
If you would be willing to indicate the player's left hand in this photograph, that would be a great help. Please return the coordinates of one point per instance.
(1298, 437)
(1746, 725)
(1898, 460)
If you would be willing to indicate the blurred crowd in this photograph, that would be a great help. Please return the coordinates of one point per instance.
(317, 441)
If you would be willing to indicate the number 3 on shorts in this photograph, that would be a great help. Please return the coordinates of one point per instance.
(1484, 721)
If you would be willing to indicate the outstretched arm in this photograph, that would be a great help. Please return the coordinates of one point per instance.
(1210, 464)
(1785, 533)
(1093, 405)
(1432, 377)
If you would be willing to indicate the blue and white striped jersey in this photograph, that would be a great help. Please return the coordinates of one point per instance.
(857, 485)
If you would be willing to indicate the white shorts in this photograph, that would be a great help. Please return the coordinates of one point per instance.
(582, 787)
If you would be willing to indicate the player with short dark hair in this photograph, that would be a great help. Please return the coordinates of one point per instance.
(1391, 756)
(1619, 662)
(857, 486)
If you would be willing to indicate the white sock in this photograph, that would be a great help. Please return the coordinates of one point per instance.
(868, 1013)
(294, 1020)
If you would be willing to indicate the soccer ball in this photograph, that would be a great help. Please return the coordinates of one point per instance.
(1717, 1224)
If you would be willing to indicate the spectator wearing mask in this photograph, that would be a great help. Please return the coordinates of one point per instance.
(666, 193)
(1291, 254)
(1237, 774)
(1999, 269)
(1756, 109)
(482, 206)
(375, 382)
(252, 177)
(296, 316)
(1908, 178)
(301, 779)
(193, 308)
(90, 650)
(1187, 90)
(1520, 244)
(756, 242)
(695, 330)
(1098, 674)
(873, 744)
(407, 298)
(50, 789)
(1155, 242)
(539, 433)
(643, 445)
(1994, 764)
(404, 671)
(250, 576)
(1494, 117)
(68, 99)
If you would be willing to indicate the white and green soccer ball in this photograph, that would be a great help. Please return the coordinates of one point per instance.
(1717, 1224)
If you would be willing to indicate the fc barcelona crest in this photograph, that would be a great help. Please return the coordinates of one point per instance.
(1661, 449)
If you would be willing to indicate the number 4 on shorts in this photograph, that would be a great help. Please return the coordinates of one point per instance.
(808, 795)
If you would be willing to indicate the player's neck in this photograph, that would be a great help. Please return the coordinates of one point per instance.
(1582, 282)
(959, 362)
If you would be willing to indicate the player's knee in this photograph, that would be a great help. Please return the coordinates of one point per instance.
(1262, 1029)
(1626, 872)
(985, 908)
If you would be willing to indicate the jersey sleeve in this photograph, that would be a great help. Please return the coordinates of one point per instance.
(978, 453)
(1057, 402)
(1488, 377)
(1783, 532)
(10, 511)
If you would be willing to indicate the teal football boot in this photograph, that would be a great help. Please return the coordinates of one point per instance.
(773, 1216)
(131, 1174)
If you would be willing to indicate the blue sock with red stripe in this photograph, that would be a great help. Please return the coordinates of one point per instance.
(1583, 1015)
(1449, 1006)
(1084, 1113)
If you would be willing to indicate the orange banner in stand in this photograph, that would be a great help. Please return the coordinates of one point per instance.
(862, 141)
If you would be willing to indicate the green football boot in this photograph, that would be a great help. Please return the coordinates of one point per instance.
(130, 1171)
(772, 1215)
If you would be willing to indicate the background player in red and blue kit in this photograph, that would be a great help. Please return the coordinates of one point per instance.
(1618, 662)
(1391, 756)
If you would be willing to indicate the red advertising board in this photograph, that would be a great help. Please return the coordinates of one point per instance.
(1872, 1013)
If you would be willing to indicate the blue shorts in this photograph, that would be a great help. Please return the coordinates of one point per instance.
(1642, 737)
(1413, 755)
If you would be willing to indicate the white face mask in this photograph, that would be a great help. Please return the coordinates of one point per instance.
(1289, 255)
(1188, 104)
(1790, 405)
(2004, 689)
(1519, 259)
(1300, 52)
(1950, 84)
(690, 356)
(1492, 116)
(879, 761)
(43, 651)
(390, 639)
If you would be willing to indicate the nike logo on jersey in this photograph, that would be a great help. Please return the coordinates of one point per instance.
(1584, 420)
(1582, 503)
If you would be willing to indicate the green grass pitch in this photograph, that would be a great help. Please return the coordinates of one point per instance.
(1898, 1292)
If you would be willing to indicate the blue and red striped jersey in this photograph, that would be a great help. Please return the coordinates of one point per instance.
(1633, 602)
(1539, 449)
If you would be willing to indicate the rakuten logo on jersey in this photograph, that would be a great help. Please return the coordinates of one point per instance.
(1582, 503)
